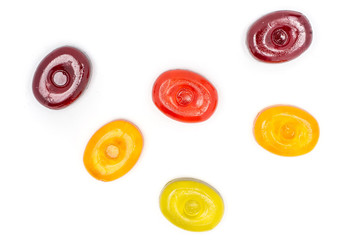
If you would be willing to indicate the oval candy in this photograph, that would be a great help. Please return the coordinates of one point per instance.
(61, 77)
(184, 96)
(279, 36)
(286, 130)
(191, 204)
(113, 150)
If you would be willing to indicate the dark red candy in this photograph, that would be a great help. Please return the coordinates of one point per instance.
(279, 36)
(61, 77)
(185, 96)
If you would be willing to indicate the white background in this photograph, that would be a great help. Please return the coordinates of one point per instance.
(45, 191)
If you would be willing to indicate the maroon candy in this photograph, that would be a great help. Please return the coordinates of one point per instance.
(279, 36)
(61, 77)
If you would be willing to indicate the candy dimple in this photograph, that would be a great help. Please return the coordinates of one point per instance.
(279, 36)
(286, 130)
(191, 204)
(112, 151)
(61, 77)
(184, 96)
(192, 208)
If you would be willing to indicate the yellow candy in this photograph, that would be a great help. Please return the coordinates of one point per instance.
(286, 130)
(191, 204)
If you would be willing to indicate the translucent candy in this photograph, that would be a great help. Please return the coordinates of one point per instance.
(61, 77)
(279, 36)
(286, 130)
(191, 204)
(113, 150)
(185, 96)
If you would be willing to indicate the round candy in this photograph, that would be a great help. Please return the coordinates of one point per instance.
(113, 150)
(61, 77)
(286, 130)
(185, 96)
(279, 36)
(191, 204)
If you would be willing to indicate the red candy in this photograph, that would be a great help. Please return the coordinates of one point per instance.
(61, 77)
(279, 36)
(185, 96)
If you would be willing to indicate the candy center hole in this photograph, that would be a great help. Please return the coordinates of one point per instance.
(280, 37)
(60, 78)
(288, 132)
(184, 96)
(112, 151)
(192, 208)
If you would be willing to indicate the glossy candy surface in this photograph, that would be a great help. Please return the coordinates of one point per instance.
(286, 130)
(61, 77)
(191, 204)
(279, 36)
(185, 96)
(113, 150)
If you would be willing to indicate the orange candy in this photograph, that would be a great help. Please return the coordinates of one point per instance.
(286, 130)
(113, 150)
